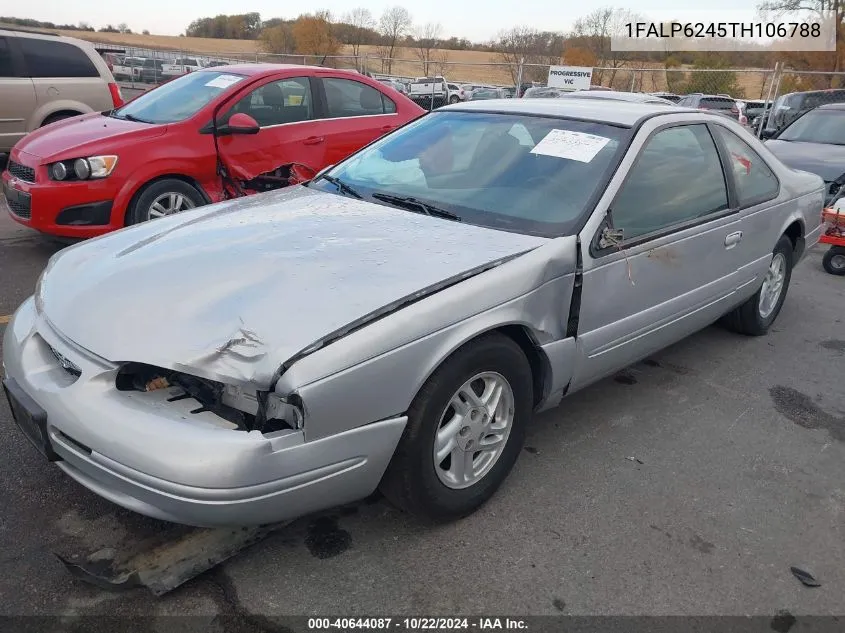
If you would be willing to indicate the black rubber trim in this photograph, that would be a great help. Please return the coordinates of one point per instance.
(92, 214)
(575, 301)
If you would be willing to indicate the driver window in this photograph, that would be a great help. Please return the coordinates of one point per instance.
(676, 178)
(278, 102)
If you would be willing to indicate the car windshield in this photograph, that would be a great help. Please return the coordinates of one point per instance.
(817, 126)
(179, 99)
(526, 174)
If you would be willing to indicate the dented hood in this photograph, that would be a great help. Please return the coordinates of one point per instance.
(232, 291)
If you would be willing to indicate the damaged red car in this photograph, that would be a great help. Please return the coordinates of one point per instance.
(207, 136)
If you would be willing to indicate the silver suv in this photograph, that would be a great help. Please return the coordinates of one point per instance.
(45, 78)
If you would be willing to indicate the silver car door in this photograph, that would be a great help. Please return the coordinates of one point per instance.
(670, 267)
(757, 188)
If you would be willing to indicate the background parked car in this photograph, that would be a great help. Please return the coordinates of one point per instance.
(128, 68)
(790, 106)
(671, 96)
(45, 78)
(152, 70)
(815, 142)
(180, 66)
(488, 93)
(543, 92)
(396, 85)
(755, 109)
(425, 91)
(157, 155)
(723, 103)
(456, 93)
(613, 95)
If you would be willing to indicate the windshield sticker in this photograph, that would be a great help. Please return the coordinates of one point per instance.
(223, 81)
(572, 145)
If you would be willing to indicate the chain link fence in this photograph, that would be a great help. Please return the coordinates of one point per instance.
(768, 95)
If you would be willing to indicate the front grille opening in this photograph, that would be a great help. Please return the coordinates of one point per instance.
(22, 209)
(21, 171)
(209, 395)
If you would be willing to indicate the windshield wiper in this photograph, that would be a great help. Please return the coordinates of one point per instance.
(342, 186)
(127, 117)
(410, 203)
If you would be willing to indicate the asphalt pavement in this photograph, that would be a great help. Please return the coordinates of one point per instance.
(687, 484)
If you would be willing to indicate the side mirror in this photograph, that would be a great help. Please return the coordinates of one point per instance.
(239, 123)
(767, 134)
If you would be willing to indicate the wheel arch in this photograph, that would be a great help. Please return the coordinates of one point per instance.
(519, 333)
(139, 189)
(795, 232)
(64, 112)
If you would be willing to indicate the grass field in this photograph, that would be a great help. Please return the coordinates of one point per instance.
(461, 66)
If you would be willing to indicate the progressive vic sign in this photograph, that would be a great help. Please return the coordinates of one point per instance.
(570, 77)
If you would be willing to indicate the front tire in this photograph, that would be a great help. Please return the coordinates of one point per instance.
(466, 428)
(162, 198)
(834, 260)
(756, 316)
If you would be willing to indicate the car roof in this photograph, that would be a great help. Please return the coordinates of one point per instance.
(255, 70)
(617, 95)
(624, 113)
(43, 35)
(832, 106)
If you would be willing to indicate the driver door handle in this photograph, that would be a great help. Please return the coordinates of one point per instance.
(733, 239)
(313, 140)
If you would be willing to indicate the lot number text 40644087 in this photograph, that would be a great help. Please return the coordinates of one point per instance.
(417, 624)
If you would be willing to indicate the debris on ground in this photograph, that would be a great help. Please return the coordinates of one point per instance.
(165, 561)
(634, 459)
(806, 578)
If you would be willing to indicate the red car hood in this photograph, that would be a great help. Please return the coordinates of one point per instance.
(86, 134)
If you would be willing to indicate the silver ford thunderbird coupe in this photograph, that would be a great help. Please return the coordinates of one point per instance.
(395, 322)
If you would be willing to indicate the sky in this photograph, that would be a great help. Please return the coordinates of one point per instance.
(477, 20)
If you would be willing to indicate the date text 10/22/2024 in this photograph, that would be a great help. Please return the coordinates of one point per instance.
(416, 624)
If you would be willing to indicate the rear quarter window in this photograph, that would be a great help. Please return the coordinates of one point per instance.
(48, 58)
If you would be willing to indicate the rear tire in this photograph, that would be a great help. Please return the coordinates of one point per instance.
(756, 316)
(161, 198)
(834, 260)
(446, 418)
(454, 99)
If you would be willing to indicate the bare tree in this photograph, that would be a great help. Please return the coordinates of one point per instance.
(780, 8)
(596, 29)
(427, 40)
(362, 22)
(536, 48)
(123, 27)
(394, 25)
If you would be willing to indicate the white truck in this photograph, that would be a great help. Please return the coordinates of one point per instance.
(128, 68)
(181, 66)
(429, 92)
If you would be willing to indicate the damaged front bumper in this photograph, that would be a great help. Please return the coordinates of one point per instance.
(156, 457)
